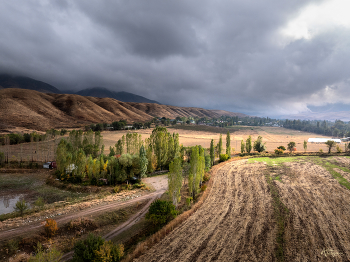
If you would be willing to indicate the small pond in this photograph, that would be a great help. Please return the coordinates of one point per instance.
(7, 203)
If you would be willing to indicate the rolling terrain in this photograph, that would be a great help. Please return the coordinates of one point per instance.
(41, 111)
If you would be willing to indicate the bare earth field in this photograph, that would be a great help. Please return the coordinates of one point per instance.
(238, 221)
(235, 223)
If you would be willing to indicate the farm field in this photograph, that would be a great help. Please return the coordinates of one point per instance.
(268, 209)
(273, 136)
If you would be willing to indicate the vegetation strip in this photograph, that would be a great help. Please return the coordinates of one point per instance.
(281, 213)
(161, 234)
(330, 168)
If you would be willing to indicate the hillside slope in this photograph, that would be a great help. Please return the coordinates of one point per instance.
(41, 111)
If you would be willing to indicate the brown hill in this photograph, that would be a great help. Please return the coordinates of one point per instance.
(40, 111)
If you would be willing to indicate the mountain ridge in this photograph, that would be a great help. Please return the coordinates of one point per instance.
(42, 111)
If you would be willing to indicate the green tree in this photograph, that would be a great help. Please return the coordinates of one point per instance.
(212, 152)
(159, 143)
(85, 250)
(242, 147)
(143, 162)
(248, 144)
(291, 146)
(175, 180)
(220, 145)
(228, 144)
(21, 207)
(305, 144)
(259, 146)
(161, 212)
(330, 144)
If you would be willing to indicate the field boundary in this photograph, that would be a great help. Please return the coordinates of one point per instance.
(162, 233)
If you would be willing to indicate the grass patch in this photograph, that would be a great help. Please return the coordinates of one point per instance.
(281, 213)
(271, 161)
(52, 194)
(330, 168)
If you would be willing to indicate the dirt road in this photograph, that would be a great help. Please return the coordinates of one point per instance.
(159, 183)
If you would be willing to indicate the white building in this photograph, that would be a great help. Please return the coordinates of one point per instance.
(322, 140)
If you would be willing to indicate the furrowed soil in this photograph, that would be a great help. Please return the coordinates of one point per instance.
(241, 219)
(235, 224)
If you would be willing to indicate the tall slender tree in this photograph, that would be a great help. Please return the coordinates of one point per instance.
(143, 162)
(175, 180)
(212, 152)
(248, 144)
(228, 144)
(220, 146)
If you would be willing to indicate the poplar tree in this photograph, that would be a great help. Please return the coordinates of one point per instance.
(228, 144)
(242, 147)
(175, 180)
(143, 162)
(305, 145)
(220, 146)
(159, 142)
(248, 144)
(212, 152)
(193, 177)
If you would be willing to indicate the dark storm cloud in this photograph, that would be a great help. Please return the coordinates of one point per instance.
(221, 55)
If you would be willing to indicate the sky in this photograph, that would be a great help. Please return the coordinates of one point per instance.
(263, 58)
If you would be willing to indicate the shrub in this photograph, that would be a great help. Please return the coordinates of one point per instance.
(109, 252)
(278, 151)
(50, 227)
(339, 150)
(282, 148)
(84, 250)
(117, 189)
(12, 246)
(223, 157)
(203, 188)
(161, 212)
(39, 202)
(50, 255)
(321, 150)
(21, 207)
(206, 177)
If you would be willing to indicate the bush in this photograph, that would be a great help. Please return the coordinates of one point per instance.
(161, 212)
(50, 255)
(206, 177)
(203, 188)
(94, 248)
(282, 148)
(50, 227)
(12, 246)
(109, 252)
(21, 207)
(84, 250)
(339, 150)
(278, 151)
(223, 157)
(39, 202)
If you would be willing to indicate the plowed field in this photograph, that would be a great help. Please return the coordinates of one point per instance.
(241, 219)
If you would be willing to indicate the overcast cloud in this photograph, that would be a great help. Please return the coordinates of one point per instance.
(263, 58)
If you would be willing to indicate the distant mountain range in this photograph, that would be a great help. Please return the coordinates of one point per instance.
(121, 96)
(9, 81)
(31, 109)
